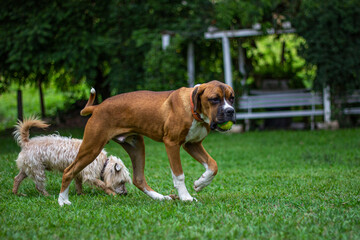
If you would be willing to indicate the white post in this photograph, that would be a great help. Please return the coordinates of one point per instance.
(165, 37)
(227, 61)
(312, 118)
(241, 56)
(327, 104)
(191, 64)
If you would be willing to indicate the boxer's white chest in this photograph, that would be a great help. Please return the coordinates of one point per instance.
(197, 131)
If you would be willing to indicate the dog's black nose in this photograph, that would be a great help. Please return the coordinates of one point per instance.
(229, 112)
(123, 193)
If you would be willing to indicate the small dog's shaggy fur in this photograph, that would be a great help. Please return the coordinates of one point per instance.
(56, 153)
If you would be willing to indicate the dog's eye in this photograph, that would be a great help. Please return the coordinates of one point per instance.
(231, 99)
(214, 100)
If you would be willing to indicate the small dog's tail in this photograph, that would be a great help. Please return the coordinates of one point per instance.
(89, 108)
(22, 129)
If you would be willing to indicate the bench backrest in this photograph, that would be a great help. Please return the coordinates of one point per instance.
(353, 98)
(280, 100)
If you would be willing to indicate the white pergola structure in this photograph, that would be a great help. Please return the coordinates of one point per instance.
(224, 36)
(165, 38)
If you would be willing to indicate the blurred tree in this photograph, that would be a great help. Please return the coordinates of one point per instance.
(18, 47)
(240, 14)
(331, 29)
(37, 37)
(115, 44)
(105, 42)
(165, 69)
(158, 69)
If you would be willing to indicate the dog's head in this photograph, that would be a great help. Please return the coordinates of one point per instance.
(116, 175)
(215, 101)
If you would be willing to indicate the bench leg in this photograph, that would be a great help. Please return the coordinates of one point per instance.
(247, 125)
(312, 122)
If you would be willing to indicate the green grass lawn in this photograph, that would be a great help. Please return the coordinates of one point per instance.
(279, 185)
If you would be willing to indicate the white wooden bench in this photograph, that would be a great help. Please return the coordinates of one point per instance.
(289, 103)
(352, 103)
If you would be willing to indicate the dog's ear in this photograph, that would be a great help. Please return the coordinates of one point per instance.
(197, 92)
(117, 167)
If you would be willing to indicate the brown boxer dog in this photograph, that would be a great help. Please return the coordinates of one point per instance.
(178, 118)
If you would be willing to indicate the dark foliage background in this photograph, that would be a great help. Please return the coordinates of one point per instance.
(331, 29)
(115, 45)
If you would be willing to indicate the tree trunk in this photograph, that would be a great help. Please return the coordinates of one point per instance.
(102, 88)
(283, 53)
(42, 103)
(19, 105)
(242, 62)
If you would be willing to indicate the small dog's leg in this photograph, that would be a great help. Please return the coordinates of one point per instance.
(100, 184)
(17, 180)
(42, 190)
(136, 149)
(39, 178)
(197, 151)
(40, 184)
(173, 152)
(78, 186)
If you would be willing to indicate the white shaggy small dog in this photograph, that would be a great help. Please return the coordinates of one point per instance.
(57, 153)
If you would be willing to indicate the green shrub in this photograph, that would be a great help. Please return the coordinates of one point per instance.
(165, 69)
(331, 29)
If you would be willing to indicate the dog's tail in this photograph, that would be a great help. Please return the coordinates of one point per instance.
(22, 129)
(89, 108)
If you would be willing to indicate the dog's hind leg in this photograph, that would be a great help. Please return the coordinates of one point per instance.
(39, 179)
(135, 147)
(197, 151)
(94, 140)
(17, 181)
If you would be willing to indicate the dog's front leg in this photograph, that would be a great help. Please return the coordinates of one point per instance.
(173, 152)
(91, 146)
(197, 151)
(134, 146)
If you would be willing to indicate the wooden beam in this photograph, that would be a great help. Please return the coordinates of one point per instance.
(245, 33)
(327, 104)
(191, 64)
(165, 39)
(20, 110)
(227, 61)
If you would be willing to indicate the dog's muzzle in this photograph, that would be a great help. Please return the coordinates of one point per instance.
(224, 115)
(121, 190)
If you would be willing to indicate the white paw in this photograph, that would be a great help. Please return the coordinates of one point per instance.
(63, 201)
(189, 199)
(64, 197)
(157, 196)
(185, 196)
(167, 198)
(203, 181)
(198, 187)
